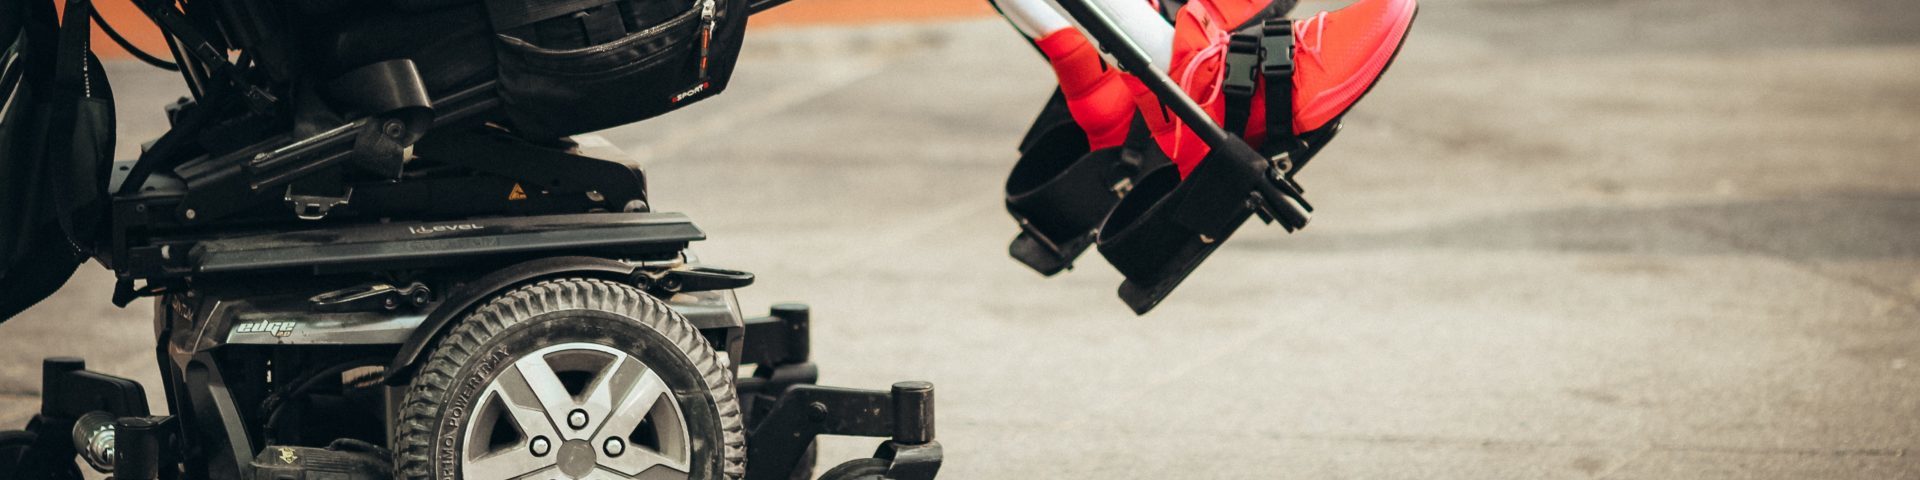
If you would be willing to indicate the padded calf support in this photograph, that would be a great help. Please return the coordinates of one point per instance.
(1167, 226)
(1059, 192)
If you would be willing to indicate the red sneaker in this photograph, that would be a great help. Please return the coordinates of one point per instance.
(1096, 95)
(1339, 55)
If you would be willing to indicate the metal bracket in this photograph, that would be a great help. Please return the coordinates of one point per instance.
(315, 207)
(372, 297)
(696, 279)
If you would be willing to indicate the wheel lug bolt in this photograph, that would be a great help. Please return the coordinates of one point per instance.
(540, 446)
(615, 447)
(577, 419)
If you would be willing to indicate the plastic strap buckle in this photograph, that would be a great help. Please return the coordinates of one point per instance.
(1242, 80)
(1276, 41)
(1245, 63)
(1276, 45)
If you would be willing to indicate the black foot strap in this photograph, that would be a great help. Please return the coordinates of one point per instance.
(1260, 57)
(1167, 226)
(1059, 192)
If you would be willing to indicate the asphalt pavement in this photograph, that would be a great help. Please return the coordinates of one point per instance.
(1563, 239)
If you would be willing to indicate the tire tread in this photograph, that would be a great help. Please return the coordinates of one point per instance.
(413, 435)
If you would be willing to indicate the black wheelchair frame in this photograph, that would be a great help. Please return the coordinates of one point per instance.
(405, 212)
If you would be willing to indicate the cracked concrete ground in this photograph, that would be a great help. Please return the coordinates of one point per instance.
(1564, 239)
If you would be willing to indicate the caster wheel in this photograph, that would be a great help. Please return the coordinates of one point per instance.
(19, 460)
(14, 446)
(572, 378)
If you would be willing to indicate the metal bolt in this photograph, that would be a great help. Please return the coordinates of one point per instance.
(393, 128)
(577, 419)
(818, 411)
(540, 446)
(191, 214)
(615, 447)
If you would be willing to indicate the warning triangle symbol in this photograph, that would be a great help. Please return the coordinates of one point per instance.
(517, 193)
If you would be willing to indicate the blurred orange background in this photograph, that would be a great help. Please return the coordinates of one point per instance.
(135, 26)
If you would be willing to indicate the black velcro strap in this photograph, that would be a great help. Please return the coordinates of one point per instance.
(1243, 69)
(1276, 67)
(1071, 201)
(1059, 200)
(1060, 193)
(1140, 231)
(1148, 239)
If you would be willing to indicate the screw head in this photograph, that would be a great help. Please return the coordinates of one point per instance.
(577, 419)
(615, 447)
(540, 446)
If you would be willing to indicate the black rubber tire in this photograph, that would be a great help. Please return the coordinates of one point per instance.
(20, 461)
(13, 452)
(858, 469)
(551, 312)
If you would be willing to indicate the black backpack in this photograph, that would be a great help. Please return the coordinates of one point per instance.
(56, 149)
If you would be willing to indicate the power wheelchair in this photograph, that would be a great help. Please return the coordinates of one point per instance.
(378, 248)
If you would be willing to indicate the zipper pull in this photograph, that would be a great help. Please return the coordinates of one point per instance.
(707, 8)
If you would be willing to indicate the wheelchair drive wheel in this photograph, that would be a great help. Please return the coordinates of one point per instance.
(573, 378)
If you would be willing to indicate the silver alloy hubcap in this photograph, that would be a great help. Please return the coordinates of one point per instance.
(579, 395)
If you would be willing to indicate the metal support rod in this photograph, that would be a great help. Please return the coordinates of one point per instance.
(1279, 198)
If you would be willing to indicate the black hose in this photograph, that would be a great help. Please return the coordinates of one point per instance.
(123, 43)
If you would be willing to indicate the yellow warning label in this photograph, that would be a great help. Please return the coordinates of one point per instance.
(517, 193)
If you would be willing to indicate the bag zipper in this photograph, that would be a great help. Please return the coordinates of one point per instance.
(643, 35)
(707, 8)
